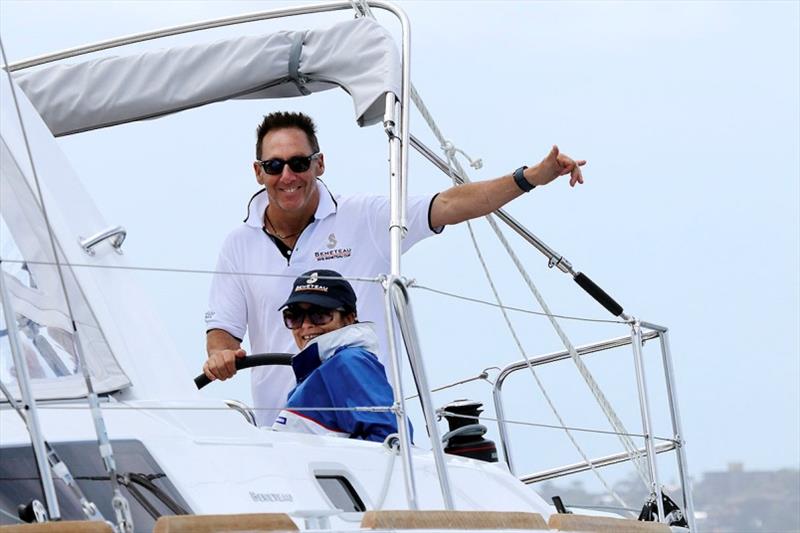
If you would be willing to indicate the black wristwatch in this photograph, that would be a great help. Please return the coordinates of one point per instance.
(522, 183)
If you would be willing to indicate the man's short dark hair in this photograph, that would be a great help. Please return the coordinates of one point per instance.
(282, 120)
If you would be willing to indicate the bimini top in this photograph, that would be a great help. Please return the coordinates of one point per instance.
(358, 55)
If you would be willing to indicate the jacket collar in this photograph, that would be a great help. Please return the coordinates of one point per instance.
(358, 335)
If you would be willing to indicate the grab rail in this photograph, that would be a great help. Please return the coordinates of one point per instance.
(116, 233)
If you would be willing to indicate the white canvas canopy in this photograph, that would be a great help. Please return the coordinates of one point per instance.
(358, 55)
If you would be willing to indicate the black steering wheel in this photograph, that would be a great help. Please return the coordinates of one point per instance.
(260, 359)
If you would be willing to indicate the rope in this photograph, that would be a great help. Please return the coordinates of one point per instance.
(392, 444)
(602, 401)
(535, 375)
(605, 406)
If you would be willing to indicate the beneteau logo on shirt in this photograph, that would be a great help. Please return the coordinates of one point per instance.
(338, 253)
(332, 252)
(209, 315)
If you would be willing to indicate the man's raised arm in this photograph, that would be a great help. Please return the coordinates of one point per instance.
(472, 200)
(223, 350)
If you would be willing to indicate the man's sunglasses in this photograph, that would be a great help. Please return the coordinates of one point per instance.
(293, 317)
(297, 163)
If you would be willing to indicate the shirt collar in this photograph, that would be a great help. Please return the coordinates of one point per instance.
(260, 200)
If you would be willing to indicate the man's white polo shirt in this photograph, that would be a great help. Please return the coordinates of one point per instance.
(348, 234)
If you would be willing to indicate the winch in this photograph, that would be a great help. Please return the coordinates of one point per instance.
(465, 437)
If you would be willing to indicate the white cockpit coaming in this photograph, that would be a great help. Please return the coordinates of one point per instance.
(219, 464)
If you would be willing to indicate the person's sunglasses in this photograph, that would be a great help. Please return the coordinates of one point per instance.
(293, 317)
(297, 163)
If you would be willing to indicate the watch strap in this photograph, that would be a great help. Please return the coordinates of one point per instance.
(522, 183)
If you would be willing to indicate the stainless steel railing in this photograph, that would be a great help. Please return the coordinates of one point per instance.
(641, 332)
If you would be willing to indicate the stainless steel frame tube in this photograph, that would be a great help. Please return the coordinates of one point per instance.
(672, 395)
(199, 26)
(399, 296)
(29, 403)
(502, 427)
(405, 109)
(644, 405)
(399, 400)
(587, 349)
(599, 462)
(396, 212)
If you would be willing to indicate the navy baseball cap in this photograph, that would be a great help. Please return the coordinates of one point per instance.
(325, 288)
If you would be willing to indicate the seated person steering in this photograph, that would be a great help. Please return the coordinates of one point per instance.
(337, 366)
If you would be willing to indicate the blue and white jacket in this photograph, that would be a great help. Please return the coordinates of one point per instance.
(340, 369)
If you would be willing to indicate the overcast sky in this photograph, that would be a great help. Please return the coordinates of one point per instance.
(688, 114)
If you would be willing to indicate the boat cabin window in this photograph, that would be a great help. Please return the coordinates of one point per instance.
(341, 493)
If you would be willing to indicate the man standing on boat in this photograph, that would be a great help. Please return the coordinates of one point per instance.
(296, 224)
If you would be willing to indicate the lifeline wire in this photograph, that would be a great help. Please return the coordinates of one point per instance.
(554, 426)
(124, 407)
(375, 279)
(368, 409)
(512, 308)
